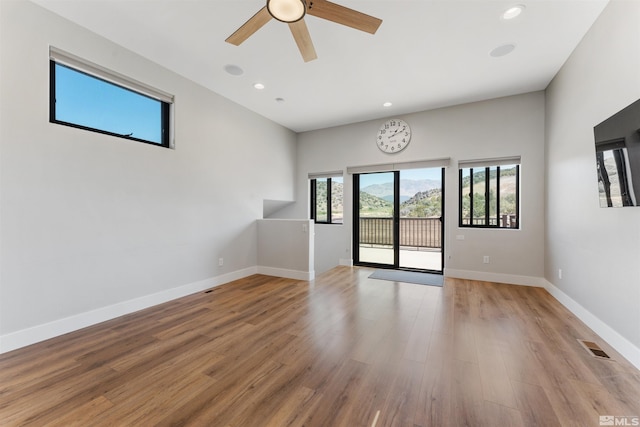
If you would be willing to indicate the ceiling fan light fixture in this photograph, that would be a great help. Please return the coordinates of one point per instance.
(287, 10)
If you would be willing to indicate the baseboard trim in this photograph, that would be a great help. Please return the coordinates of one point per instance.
(348, 262)
(49, 330)
(289, 274)
(512, 279)
(608, 334)
(28, 336)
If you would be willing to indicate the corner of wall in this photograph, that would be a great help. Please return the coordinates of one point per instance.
(288, 274)
(607, 333)
(627, 349)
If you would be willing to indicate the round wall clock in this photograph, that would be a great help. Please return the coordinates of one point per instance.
(393, 136)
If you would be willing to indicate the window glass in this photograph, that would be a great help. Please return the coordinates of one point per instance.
(327, 200)
(478, 199)
(84, 101)
(508, 206)
(493, 194)
(489, 196)
(465, 196)
(337, 192)
(321, 200)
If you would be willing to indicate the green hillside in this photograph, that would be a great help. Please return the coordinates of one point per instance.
(425, 204)
(336, 199)
(507, 192)
(371, 205)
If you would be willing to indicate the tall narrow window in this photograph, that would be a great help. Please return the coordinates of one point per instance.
(327, 200)
(85, 96)
(489, 194)
(321, 202)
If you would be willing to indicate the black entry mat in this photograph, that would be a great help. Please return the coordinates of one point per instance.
(408, 277)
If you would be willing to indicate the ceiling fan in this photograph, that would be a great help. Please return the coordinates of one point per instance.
(292, 12)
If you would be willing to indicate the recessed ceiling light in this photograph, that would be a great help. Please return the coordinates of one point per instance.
(258, 86)
(234, 70)
(503, 50)
(387, 104)
(513, 11)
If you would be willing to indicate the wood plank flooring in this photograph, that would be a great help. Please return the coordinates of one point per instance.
(266, 351)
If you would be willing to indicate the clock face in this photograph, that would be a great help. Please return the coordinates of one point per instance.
(393, 136)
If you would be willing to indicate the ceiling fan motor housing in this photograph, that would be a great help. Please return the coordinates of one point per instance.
(292, 13)
(287, 10)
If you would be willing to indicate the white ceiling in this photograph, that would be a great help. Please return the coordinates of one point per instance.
(426, 54)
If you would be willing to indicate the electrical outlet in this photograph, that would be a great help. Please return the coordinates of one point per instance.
(220, 262)
(485, 259)
(559, 273)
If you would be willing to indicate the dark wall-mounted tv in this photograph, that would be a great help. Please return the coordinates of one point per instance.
(618, 158)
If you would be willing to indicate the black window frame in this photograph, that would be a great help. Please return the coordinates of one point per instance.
(165, 110)
(313, 200)
(487, 216)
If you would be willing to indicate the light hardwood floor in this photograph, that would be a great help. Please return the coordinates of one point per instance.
(344, 350)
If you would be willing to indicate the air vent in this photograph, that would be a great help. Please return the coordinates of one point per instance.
(594, 349)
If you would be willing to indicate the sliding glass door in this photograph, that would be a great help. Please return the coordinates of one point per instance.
(398, 219)
(421, 219)
(376, 218)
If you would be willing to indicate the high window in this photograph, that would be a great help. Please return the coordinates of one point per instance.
(327, 199)
(86, 96)
(490, 193)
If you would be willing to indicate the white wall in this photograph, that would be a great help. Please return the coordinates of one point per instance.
(285, 248)
(502, 127)
(89, 221)
(598, 249)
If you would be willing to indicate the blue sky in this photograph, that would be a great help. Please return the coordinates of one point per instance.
(91, 102)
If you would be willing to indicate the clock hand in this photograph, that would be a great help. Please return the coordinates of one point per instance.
(397, 132)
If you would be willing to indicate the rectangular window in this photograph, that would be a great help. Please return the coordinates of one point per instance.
(86, 96)
(489, 194)
(327, 200)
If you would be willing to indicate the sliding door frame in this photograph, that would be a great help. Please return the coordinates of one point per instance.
(396, 223)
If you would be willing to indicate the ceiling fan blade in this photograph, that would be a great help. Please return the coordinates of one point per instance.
(343, 15)
(251, 26)
(303, 40)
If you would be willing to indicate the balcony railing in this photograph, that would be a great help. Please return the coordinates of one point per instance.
(414, 232)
